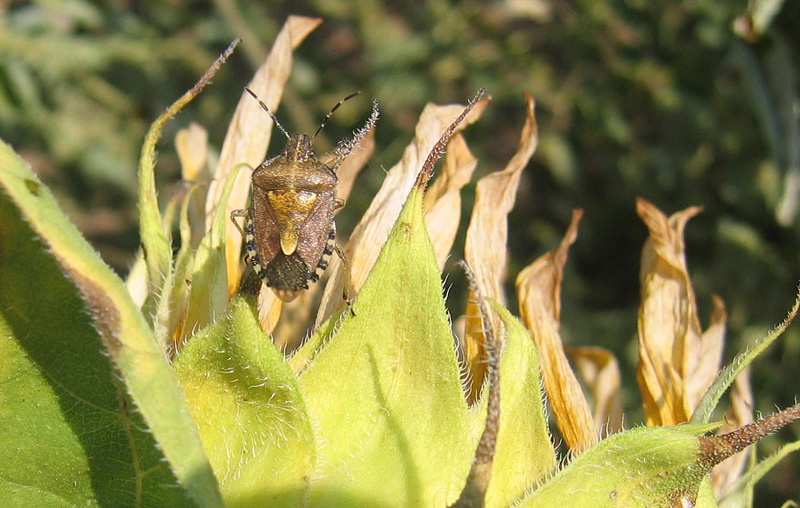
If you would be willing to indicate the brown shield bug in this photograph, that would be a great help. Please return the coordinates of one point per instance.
(289, 230)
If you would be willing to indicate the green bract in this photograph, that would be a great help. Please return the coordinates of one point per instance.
(90, 412)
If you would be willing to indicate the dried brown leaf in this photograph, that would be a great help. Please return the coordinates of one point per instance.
(269, 309)
(487, 234)
(538, 290)
(249, 132)
(192, 147)
(703, 360)
(677, 362)
(600, 373)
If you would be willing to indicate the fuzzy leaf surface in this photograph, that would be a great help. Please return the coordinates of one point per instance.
(247, 405)
(644, 467)
(385, 391)
(525, 454)
(90, 412)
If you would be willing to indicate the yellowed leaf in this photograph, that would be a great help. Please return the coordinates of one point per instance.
(703, 359)
(485, 245)
(677, 362)
(137, 281)
(600, 373)
(192, 147)
(538, 290)
(269, 309)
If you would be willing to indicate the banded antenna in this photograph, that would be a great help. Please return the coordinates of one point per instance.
(270, 113)
(327, 117)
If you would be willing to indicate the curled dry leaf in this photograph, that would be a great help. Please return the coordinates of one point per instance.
(600, 372)
(703, 361)
(371, 232)
(487, 235)
(249, 132)
(677, 362)
(485, 245)
(538, 289)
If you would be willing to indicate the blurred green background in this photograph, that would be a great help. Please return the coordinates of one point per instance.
(681, 102)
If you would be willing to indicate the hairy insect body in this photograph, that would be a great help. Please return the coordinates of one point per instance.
(289, 230)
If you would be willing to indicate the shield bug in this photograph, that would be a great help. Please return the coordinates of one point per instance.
(289, 230)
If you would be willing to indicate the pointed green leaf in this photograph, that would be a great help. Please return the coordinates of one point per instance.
(384, 393)
(209, 292)
(156, 246)
(155, 243)
(524, 454)
(172, 305)
(89, 408)
(247, 405)
(710, 400)
(640, 468)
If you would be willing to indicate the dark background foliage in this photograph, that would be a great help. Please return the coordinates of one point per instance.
(677, 102)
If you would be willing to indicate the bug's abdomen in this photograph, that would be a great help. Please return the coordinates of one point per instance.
(288, 275)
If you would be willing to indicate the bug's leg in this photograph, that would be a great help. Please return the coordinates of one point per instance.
(348, 290)
(247, 236)
(337, 203)
(244, 212)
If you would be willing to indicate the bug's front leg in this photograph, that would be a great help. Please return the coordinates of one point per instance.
(243, 212)
(247, 234)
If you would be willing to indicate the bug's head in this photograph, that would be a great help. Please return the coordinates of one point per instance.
(298, 148)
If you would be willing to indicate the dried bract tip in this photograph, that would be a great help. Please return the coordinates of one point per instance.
(438, 149)
(715, 449)
(345, 146)
(474, 493)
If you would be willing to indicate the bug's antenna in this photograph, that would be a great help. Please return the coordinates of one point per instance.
(271, 114)
(325, 120)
